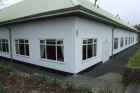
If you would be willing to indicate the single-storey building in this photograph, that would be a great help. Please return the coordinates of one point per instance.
(64, 35)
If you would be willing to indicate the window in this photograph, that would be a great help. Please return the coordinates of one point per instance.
(116, 43)
(126, 41)
(121, 42)
(89, 48)
(129, 39)
(4, 46)
(52, 49)
(22, 47)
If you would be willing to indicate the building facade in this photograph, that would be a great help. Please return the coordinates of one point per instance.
(68, 43)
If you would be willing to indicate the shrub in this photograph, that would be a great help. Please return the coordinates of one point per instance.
(70, 86)
(134, 62)
(3, 90)
(105, 90)
(55, 83)
(4, 69)
(85, 90)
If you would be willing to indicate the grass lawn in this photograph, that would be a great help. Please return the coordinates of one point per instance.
(134, 62)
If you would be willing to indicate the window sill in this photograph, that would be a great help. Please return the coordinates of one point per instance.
(52, 61)
(89, 59)
(23, 56)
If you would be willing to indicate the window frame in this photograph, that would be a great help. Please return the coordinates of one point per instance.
(115, 48)
(29, 44)
(94, 55)
(7, 51)
(51, 60)
(121, 42)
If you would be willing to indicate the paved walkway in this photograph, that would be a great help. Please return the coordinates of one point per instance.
(103, 75)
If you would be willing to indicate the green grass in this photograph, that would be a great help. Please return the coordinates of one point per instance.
(134, 62)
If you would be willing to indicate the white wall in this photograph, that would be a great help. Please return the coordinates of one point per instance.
(118, 33)
(103, 33)
(90, 29)
(47, 29)
(72, 30)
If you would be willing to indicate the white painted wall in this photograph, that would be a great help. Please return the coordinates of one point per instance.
(103, 33)
(73, 30)
(47, 29)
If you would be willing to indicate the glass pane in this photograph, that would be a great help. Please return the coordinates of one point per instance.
(17, 49)
(4, 47)
(116, 43)
(26, 41)
(51, 41)
(27, 49)
(7, 47)
(42, 41)
(60, 53)
(16, 41)
(51, 52)
(95, 50)
(84, 41)
(21, 49)
(90, 51)
(42, 51)
(60, 42)
(90, 41)
(21, 41)
(84, 52)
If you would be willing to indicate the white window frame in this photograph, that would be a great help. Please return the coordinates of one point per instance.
(117, 43)
(94, 43)
(51, 60)
(1, 43)
(24, 47)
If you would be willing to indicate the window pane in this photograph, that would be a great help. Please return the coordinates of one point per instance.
(60, 53)
(90, 41)
(21, 49)
(7, 48)
(17, 49)
(51, 52)
(121, 44)
(4, 47)
(95, 50)
(52, 41)
(42, 51)
(60, 42)
(84, 41)
(26, 41)
(42, 41)
(90, 51)
(27, 49)
(84, 50)
(116, 43)
(21, 41)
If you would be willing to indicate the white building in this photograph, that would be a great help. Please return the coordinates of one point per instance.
(64, 35)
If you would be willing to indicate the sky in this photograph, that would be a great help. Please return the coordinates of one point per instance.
(128, 10)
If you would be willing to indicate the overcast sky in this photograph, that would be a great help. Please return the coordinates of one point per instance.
(129, 10)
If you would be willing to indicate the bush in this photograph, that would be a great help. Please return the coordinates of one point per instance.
(4, 69)
(131, 76)
(105, 90)
(134, 62)
(3, 90)
(70, 86)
